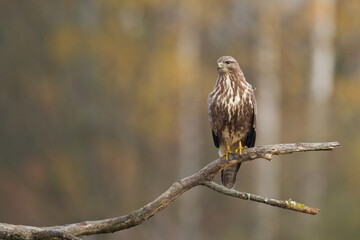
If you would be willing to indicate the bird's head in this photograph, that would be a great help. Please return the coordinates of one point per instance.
(227, 64)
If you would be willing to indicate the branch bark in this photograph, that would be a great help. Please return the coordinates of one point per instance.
(203, 177)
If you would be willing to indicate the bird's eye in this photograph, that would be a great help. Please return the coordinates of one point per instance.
(227, 62)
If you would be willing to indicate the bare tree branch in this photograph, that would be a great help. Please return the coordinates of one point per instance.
(287, 204)
(203, 177)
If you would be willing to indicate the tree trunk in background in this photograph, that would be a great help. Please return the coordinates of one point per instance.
(190, 140)
(268, 122)
(321, 87)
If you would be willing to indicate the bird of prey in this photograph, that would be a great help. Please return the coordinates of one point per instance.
(232, 114)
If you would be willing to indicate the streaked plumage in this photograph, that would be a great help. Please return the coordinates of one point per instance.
(232, 113)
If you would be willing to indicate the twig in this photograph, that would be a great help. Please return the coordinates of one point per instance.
(288, 204)
(203, 177)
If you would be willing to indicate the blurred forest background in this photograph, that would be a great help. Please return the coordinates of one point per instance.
(103, 105)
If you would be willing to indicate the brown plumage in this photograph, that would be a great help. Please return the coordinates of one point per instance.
(232, 113)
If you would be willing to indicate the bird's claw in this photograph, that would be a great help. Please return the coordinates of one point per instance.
(226, 155)
(239, 150)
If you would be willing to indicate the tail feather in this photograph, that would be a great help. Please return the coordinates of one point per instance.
(228, 176)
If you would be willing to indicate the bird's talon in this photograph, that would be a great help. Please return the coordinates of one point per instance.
(239, 150)
(227, 154)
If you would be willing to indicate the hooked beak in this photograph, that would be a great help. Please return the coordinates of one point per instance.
(220, 65)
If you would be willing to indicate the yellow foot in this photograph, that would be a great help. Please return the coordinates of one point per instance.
(239, 150)
(227, 153)
(227, 156)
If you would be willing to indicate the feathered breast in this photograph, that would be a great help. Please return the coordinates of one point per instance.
(230, 107)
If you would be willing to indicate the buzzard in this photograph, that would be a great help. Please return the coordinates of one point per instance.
(232, 114)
